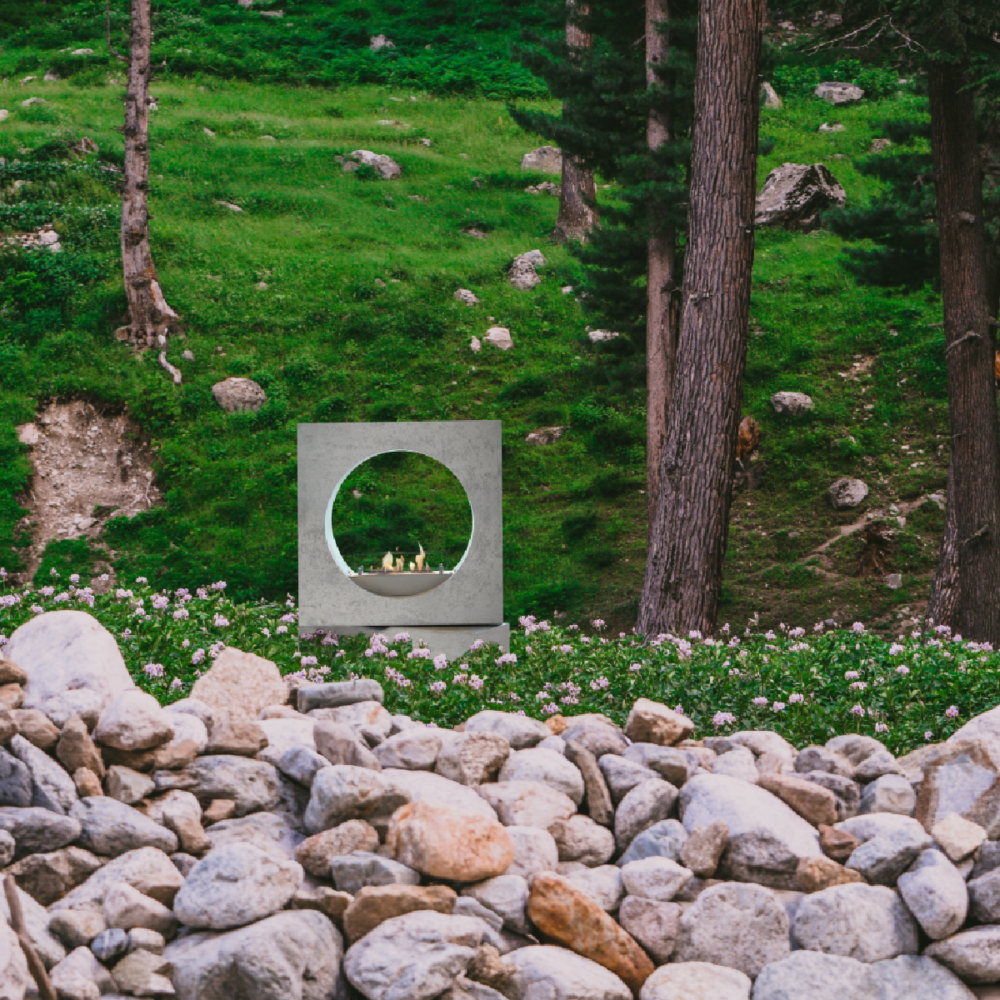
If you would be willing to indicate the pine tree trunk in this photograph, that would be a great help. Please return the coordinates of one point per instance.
(944, 603)
(965, 291)
(661, 252)
(578, 197)
(688, 540)
(149, 315)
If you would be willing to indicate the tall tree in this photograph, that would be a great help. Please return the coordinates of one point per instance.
(578, 194)
(691, 520)
(661, 261)
(150, 317)
(969, 351)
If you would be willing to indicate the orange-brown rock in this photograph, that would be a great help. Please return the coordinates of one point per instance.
(837, 844)
(820, 872)
(450, 843)
(11, 673)
(76, 749)
(87, 783)
(11, 695)
(217, 810)
(651, 722)
(568, 915)
(324, 899)
(375, 903)
(811, 801)
(35, 727)
(557, 723)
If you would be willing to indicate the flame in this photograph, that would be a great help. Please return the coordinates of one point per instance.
(387, 561)
(420, 559)
(412, 566)
(400, 562)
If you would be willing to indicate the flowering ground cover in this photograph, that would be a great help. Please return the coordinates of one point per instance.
(808, 684)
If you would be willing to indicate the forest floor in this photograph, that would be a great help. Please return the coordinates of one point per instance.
(335, 293)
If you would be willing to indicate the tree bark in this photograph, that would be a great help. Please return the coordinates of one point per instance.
(150, 318)
(944, 603)
(965, 291)
(688, 541)
(661, 257)
(578, 194)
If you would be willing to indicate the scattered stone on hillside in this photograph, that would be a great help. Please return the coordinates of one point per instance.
(894, 580)
(523, 274)
(795, 194)
(234, 394)
(4, 114)
(33, 100)
(546, 187)
(598, 336)
(546, 159)
(469, 298)
(385, 166)
(379, 42)
(846, 493)
(769, 97)
(545, 435)
(499, 336)
(827, 127)
(792, 403)
(230, 205)
(475, 345)
(880, 145)
(839, 93)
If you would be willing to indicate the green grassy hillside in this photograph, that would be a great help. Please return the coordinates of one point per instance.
(358, 322)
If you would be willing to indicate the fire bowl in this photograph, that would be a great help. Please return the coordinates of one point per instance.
(400, 584)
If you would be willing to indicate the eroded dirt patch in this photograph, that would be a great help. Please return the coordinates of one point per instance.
(88, 466)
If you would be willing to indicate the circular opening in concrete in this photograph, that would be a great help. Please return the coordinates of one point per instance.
(401, 524)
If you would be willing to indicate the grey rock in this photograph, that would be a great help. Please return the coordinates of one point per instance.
(819, 977)
(112, 828)
(890, 793)
(76, 928)
(692, 980)
(655, 878)
(134, 720)
(839, 93)
(470, 758)
(234, 394)
(769, 97)
(816, 758)
(7, 848)
(973, 955)
(520, 731)
(794, 194)
(36, 830)
(737, 763)
(295, 954)
(183, 862)
(146, 939)
(466, 906)
(507, 896)
(110, 945)
(547, 159)
(866, 922)
(597, 737)
(350, 872)
(127, 908)
(81, 967)
(236, 885)
(672, 763)
(988, 860)
(14, 975)
(468, 297)
(337, 693)
(412, 750)
(271, 833)
(546, 767)
(415, 786)
(36, 921)
(766, 838)
(52, 787)
(385, 166)
(878, 764)
(416, 956)
(340, 744)
(301, 764)
(544, 972)
(535, 850)
(984, 898)
(883, 858)
(16, 786)
(367, 718)
(192, 706)
(846, 493)
(854, 747)
(741, 926)
(622, 775)
(647, 803)
(604, 885)
(762, 741)
(845, 791)
(598, 796)
(579, 838)
(527, 803)
(126, 785)
(912, 977)
(664, 839)
(65, 651)
(654, 925)
(935, 893)
(252, 784)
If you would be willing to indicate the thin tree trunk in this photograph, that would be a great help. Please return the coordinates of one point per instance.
(661, 298)
(944, 603)
(149, 315)
(578, 196)
(965, 292)
(688, 540)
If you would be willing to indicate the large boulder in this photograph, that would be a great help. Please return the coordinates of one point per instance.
(543, 972)
(795, 194)
(68, 653)
(846, 493)
(866, 922)
(292, 954)
(742, 926)
(834, 92)
(416, 956)
(385, 166)
(236, 885)
(767, 839)
(547, 159)
(239, 685)
(234, 394)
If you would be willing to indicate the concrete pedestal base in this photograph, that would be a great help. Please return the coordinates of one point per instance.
(452, 640)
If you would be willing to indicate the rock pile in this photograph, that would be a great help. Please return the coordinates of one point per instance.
(262, 840)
